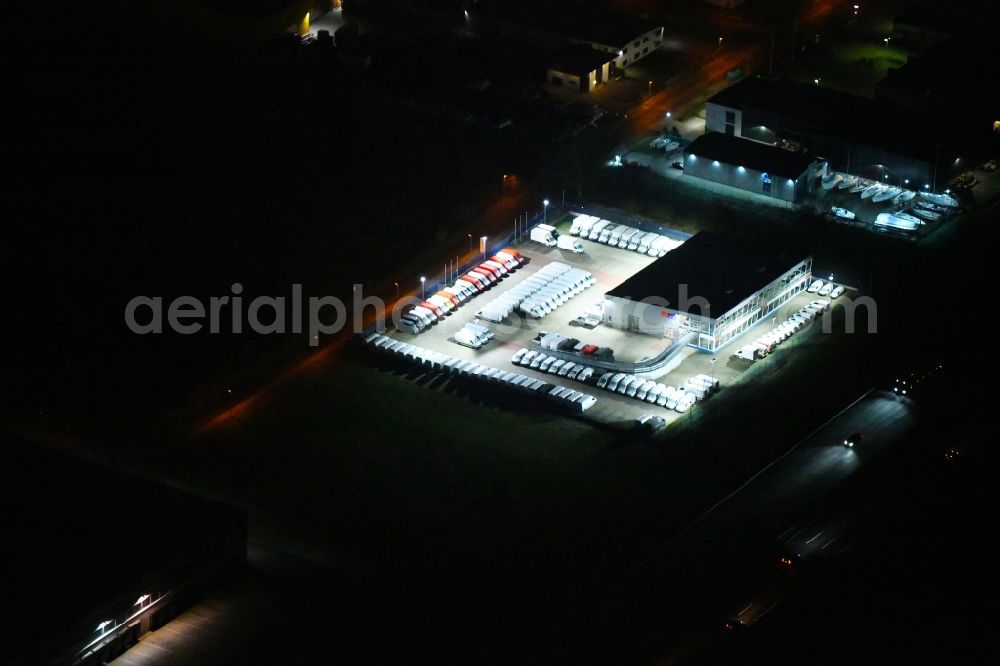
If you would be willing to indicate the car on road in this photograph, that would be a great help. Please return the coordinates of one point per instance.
(852, 439)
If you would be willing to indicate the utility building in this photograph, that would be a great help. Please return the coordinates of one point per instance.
(752, 166)
(579, 68)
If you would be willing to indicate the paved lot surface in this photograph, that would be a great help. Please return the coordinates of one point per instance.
(610, 266)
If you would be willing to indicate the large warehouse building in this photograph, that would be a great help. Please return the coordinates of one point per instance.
(853, 134)
(752, 166)
(713, 286)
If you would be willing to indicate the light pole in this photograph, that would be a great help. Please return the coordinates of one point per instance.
(720, 42)
(713, 370)
(545, 211)
(397, 289)
(470, 242)
(649, 89)
(482, 241)
(816, 81)
(423, 287)
(503, 185)
(886, 42)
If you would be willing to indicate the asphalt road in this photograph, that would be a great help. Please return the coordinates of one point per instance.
(695, 577)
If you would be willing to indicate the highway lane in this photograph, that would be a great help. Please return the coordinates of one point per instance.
(694, 577)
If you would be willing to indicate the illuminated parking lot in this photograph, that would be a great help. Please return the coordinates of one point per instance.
(610, 266)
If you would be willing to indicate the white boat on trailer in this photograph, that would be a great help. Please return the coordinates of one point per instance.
(859, 186)
(848, 181)
(871, 191)
(903, 215)
(842, 213)
(940, 199)
(931, 206)
(894, 222)
(927, 214)
(886, 194)
(831, 180)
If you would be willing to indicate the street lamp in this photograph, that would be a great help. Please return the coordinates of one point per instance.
(649, 89)
(886, 41)
(816, 81)
(482, 242)
(545, 211)
(713, 370)
(397, 289)
(720, 42)
(503, 185)
(470, 242)
(423, 288)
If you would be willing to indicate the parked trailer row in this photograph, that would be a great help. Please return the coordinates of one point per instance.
(619, 235)
(437, 306)
(766, 343)
(573, 400)
(544, 363)
(648, 390)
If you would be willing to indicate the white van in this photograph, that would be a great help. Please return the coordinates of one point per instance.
(615, 381)
(625, 383)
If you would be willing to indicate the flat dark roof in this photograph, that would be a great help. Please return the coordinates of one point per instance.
(750, 154)
(812, 109)
(722, 269)
(82, 538)
(579, 60)
(588, 23)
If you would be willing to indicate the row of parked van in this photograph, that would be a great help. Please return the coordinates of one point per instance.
(473, 335)
(539, 294)
(650, 243)
(679, 399)
(573, 400)
(766, 343)
(435, 307)
(542, 362)
(821, 288)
